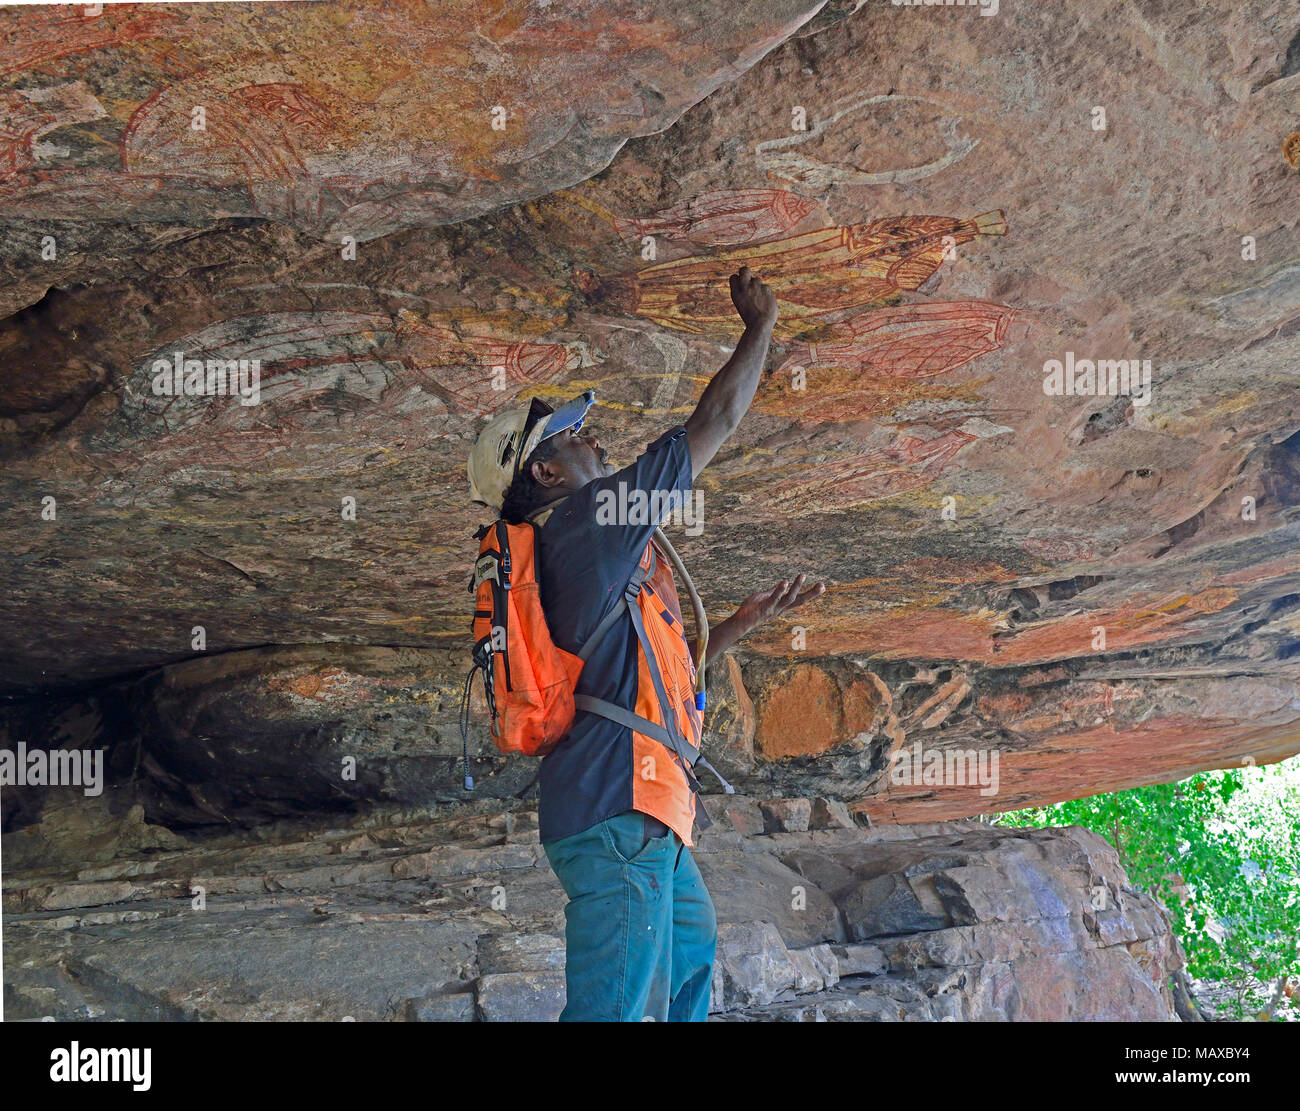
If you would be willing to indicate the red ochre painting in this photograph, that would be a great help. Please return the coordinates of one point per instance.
(386, 108)
(909, 341)
(815, 274)
(414, 379)
(35, 36)
(256, 136)
(722, 218)
(908, 464)
(854, 364)
(878, 359)
(251, 133)
(523, 363)
(438, 351)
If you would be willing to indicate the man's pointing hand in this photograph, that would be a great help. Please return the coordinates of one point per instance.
(766, 604)
(754, 301)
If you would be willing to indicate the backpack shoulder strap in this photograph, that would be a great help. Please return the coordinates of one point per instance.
(667, 733)
(620, 607)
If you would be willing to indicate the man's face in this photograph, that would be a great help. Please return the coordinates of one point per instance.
(578, 460)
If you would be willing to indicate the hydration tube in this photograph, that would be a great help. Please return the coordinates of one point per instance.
(701, 618)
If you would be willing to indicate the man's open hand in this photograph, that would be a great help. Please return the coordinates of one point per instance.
(767, 604)
(755, 303)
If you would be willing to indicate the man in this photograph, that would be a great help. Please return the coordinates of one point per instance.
(617, 807)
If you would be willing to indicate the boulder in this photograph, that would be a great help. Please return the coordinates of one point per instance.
(327, 923)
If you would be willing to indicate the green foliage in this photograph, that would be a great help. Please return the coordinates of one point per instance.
(1221, 852)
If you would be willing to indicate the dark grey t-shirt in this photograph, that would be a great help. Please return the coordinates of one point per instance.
(585, 566)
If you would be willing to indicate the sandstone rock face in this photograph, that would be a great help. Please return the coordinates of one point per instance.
(348, 118)
(1031, 596)
(402, 916)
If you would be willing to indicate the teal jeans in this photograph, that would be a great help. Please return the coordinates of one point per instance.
(639, 926)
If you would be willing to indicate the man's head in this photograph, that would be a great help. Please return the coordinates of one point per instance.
(558, 466)
(525, 458)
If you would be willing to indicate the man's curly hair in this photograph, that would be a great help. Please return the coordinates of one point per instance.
(525, 493)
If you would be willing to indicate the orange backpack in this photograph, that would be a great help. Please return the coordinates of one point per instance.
(529, 680)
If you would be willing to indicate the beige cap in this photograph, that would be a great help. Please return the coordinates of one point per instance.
(511, 437)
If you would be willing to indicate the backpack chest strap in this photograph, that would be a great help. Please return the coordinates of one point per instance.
(626, 717)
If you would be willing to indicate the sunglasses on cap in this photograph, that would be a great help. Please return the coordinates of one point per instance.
(572, 414)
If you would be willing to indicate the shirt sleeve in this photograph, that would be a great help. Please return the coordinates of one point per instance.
(625, 508)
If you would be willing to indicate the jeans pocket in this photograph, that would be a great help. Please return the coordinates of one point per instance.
(625, 834)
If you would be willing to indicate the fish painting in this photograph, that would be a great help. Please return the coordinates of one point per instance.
(302, 356)
(909, 341)
(412, 378)
(723, 217)
(815, 274)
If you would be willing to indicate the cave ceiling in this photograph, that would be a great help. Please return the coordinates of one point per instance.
(416, 215)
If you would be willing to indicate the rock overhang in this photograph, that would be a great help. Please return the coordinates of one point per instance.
(951, 221)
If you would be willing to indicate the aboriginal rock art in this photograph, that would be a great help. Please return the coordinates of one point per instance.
(789, 156)
(1093, 701)
(390, 109)
(30, 37)
(723, 218)
(910, 341)
(877, 360)
(381, 376)
(20, 123)
(74, 194)
(254, 135)
(28, 114)
(475, 371)
(439, 349)
(369, 117)
(1060, 550)
(293, 437)
(311, 368)
(300, 356)
(908, 464)
(815, 274)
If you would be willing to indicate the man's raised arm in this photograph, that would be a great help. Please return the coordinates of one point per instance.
(728, 396)
(720, 408)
